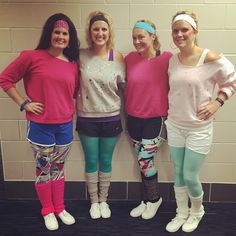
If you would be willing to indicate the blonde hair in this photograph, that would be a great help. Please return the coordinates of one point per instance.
(156, 43)
(110, 42)
(193, 15)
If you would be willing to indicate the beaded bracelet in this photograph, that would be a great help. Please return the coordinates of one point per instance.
(220, 101)
(22, 106)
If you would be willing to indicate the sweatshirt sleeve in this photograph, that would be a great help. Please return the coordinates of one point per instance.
(226, 77)
(15, 71)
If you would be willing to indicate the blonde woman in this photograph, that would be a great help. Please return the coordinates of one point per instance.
(193, 74)
(146, 103)
(98, 108)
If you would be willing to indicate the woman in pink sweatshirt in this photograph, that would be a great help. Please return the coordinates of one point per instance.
(50, 76)
(146, 104)
(193, 74)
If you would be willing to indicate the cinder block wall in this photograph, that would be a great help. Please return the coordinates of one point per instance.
(20, 27)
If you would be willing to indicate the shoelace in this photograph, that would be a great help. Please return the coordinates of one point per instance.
(191, 219)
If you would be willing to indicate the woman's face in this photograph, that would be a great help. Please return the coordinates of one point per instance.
(99, 33)
(183, 34)
(60, 38)
(142, 40)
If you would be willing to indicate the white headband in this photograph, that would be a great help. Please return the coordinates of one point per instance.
(187, 18)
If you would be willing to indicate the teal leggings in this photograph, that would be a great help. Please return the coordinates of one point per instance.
(187, 166)
(98, 150)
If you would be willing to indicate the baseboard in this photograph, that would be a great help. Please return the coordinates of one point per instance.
(213, 192)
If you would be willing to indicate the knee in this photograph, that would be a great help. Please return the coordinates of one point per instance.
(179, 172)
(91, 165)
(105, 166)
(147, 168)
(191, 180)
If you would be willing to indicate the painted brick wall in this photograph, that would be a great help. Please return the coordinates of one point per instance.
(20, 27)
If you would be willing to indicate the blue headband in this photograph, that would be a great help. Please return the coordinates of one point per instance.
(145, 26)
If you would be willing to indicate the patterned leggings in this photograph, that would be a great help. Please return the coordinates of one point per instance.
(50, 162)
(145, 150)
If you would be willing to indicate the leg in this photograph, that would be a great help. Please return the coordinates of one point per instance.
(137, 211)
(182, 211)
(149, 174)
(106, 148)
(177, 155)
(90, 147)
(181, 194)
(58, 183)
(192, 165)
(43, 184)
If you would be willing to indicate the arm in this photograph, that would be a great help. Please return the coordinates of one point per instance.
(34, 107)
(226, 80)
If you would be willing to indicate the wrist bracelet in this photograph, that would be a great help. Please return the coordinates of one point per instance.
(22, 106)
(220, 101)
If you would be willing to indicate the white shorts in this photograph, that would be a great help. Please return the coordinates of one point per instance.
(196, 139)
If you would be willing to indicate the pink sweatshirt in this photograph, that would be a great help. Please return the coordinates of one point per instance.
(147, 86)
(48, 80)
(193, 86)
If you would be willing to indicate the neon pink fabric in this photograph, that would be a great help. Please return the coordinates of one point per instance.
(58, 187)
(147, 86)
(45, 77)
(61, 23)
(44, 192)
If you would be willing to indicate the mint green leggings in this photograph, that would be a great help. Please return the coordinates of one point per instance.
(98, 150)
(187, 165)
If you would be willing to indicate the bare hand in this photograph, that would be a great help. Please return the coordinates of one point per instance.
(34, 107)
(205, 112)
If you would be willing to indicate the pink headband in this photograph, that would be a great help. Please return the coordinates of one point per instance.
(61, 23)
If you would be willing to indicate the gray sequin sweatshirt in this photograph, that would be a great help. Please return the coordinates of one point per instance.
(99, 79)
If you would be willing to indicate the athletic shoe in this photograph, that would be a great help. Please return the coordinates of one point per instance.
(151, 209)
(50, 221)
(66, 218)
(105, 210)
(192, 223)
(138, 211)
(95, 211)
(175, 224)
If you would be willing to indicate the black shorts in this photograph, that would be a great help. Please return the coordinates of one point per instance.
(146, 128)
(99, 129)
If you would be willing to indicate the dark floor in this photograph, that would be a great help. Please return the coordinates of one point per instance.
(22, 217)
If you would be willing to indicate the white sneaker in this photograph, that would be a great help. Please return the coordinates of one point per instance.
(175, 224)
(105, 210)
(66, 218)
(192, 223)
(50, 221)
(138, 211)
(151, 209)
(94, 211)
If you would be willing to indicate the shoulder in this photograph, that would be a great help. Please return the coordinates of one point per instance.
(132, 54)
(27, 56)
(212, 56)
(166, 55)
(118, 57)
(26, 53)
